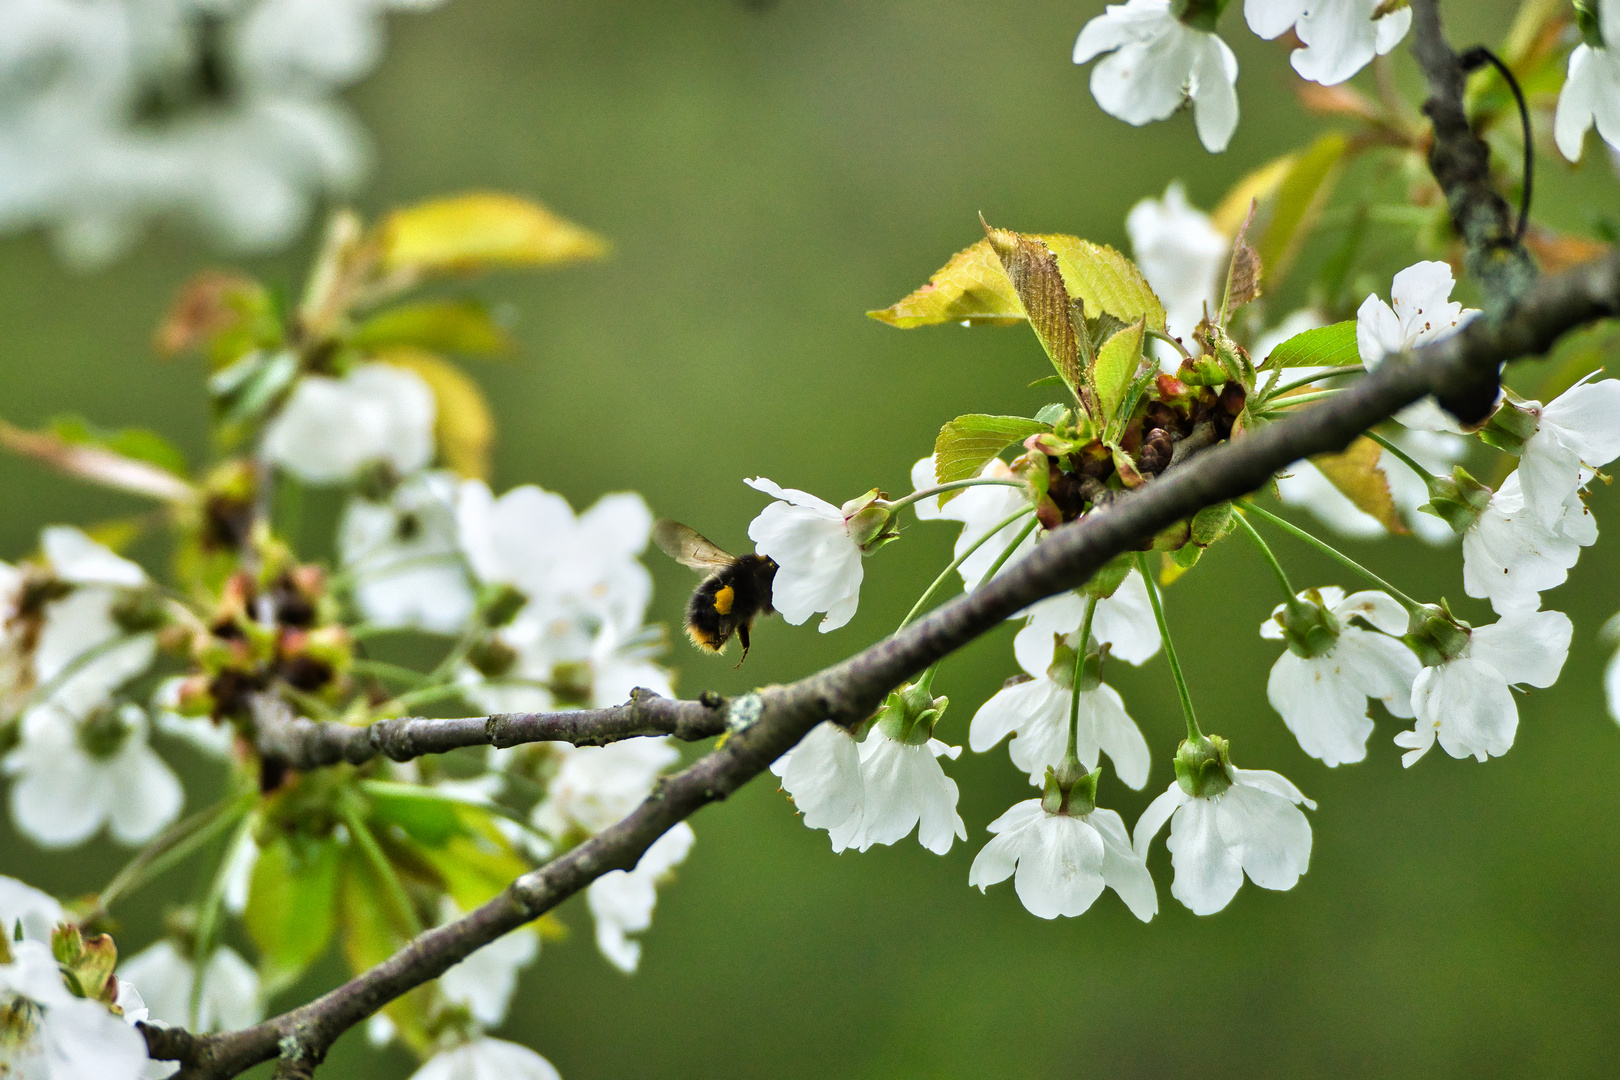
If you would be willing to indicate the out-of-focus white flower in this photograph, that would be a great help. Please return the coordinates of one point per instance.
(1124, 622)
(905, 788)
(1423, 313)
(823, 777)
(1591, 92)
(230, 988)
(1341, 36)
(1465, 702)
(485, 981)
(37, 912)
(1183, 256)
(405, 558)
(1253, 827)
(1323, 698)
(485, 1058)
(1306, 487)
(332, 428)
(1062, 862)
(75, 772)
(237, 872)
(622, 902)
(1579, 429)
(1157, 64)
(1510, 558)
(596, 786)
(583, 569)
(59, 1036)
(818, 559)
(1038, 711)
(119, 112)
(979, 509)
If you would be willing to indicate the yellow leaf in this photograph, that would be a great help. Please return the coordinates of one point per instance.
(1357, 476)
(464, 427)
(1105, 281)
(1260, 185)
(1300, 197)
(481, 230)
(1034, 273)
(972, 287)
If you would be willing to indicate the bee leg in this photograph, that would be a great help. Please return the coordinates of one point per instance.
(742, 636)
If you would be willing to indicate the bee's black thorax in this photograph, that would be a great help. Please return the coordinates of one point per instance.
(729, 600)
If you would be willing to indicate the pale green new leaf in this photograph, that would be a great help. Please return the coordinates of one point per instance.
(455, 326)
(292, 905)
(1326, 346)
(966, 444)
(971, 288)
(1299, 201)
(1117, 362)
(1105, 281)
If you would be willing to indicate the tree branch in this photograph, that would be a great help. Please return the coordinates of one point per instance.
(1461, 163)
(850, 690)
(308, 744)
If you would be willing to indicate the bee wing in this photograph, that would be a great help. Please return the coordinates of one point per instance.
(689, 547)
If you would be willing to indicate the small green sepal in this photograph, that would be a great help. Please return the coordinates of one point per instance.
(1309, 628)
(1436, 635)
(1202, 767)
(1458, 500)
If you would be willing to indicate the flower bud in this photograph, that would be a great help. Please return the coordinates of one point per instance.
(87, 963)
(1436, 635)
(1069, 789)
(1202, 767)
(499, 605)
(492, 658)
(1309, 628)
(910, 713)
(870, 521)
(1511, 424)
(193, 698)
(140, 610)
(1458, 500)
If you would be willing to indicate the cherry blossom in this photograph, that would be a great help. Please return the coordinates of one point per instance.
(46, 1033)
(229, 999)
(1510, 558)
(1422, 313)
(1184, 257)
(1591, 91)
(823, 777)
(1341, 36)
(1577, 429)
(404, 556)
(1124, 622)
(330, 429)
(485, 1058)
(1060, 863)
(817, 555)
(1157, 64)
(979, 509)
(622, 902)
(905, 788)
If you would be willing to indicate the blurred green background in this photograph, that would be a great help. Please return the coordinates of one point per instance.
(766, 176)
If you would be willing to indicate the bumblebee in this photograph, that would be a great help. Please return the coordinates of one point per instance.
(736, 591)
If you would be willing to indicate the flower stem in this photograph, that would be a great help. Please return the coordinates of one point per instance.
(954, 485)
(392, 887)
(1401, 455)
(1001, 560)
(208, 915)
(1073, 751)
(1193, 733)
(177, 843)
(1300, 399)
(1295, 384)
(1271, 559)
(1334, 553)
(1159, 335)
(944, 575)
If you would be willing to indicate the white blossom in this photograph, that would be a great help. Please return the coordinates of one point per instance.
(622, 902)
(582, 569)
(1323, 699)
(596, 786)
(1422, 313)
(1159, 63)
(979, 509)
(485, 981)
(330, 429)
(119, 112)
(1305, 486)
(405, 556)
(1510, 558)
(1341, 36)
(1465, 702)
(46, 1033)
(76, 771)
(905, 788)
(485, 1058)
(1254, 827)
(1580, 428)
(1184, 257)
(1062, 862)
(1038, 712)
(818, 560)
(230, 988)
(37, 912)
(1124, 622)
(822, 774)
(1591, 91)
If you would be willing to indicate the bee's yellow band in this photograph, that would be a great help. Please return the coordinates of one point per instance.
(723, 600)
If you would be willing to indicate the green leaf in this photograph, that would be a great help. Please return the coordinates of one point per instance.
(371, 934)
(292, 905)
(478, 865)
(966, 444)
(1326, 346)
(455, 326)
(427, 816)
(137, 444)
(1300, 197)
(1104, 280)
(1117, 362)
